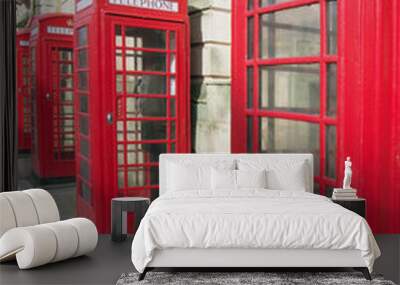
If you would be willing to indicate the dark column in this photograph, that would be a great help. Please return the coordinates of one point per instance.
(8, 118)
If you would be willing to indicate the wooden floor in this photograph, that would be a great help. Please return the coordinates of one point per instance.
(110, 260)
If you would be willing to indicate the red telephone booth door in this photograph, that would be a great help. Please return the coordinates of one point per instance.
(149, 116)
(59, 110)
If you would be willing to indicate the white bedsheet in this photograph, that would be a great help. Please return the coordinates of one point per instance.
(251, 218)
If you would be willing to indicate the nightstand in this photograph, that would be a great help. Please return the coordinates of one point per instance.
(119, 208)
(355, 205)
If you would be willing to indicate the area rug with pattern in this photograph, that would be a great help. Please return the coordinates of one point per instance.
(233, 278)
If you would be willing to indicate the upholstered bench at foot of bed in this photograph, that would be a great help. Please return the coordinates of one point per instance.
(40, 244)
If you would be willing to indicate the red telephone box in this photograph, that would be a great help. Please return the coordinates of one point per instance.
(51, 48)
(132, 97)
(23, 100)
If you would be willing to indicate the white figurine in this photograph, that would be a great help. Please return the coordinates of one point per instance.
(347, 174)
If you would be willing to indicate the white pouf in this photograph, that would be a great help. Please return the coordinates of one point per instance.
(46, 207)
(87, 234)
(7, 219)
(31, 233)
(23, 209)
(67, 237)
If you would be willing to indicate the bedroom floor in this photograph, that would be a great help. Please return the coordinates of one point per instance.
(110, 260)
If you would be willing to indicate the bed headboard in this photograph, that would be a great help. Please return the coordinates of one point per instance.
(175, 157)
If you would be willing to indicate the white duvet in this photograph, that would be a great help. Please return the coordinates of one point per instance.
(253, 218)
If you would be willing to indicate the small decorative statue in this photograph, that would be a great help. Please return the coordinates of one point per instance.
(347, 174)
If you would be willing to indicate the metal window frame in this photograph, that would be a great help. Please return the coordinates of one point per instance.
(239, 109)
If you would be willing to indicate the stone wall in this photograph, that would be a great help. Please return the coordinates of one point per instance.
(55, 6)
(29, 8)
(210, 22)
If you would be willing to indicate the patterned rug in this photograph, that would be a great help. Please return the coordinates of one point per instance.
(236, 278)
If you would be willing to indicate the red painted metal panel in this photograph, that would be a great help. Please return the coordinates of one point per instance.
(370, 108)
(51, 71)
(238, 87)
(101, 18)
(395, 165)
(23, 99)
(88, 19)
(391, 30)
(383, 110)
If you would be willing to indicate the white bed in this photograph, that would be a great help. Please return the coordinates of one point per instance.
(249, 227)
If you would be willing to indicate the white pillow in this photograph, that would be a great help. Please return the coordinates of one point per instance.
(292, 178)
(289, 175)
(251, 179)
(193, 175)
(226, 179)
(223, 179)
(181, 177)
